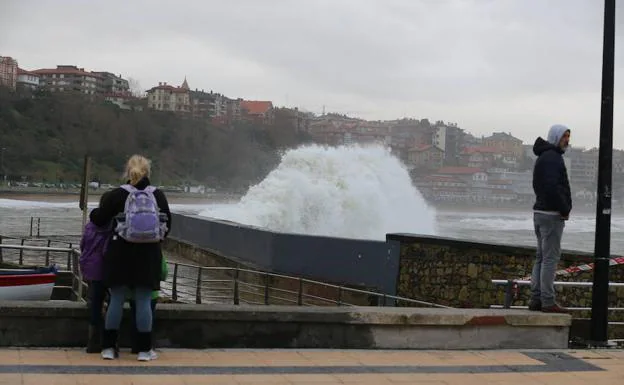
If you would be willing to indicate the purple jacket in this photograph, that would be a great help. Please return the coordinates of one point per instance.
(93, 246)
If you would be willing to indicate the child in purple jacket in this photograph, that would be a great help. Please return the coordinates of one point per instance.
(92, 249)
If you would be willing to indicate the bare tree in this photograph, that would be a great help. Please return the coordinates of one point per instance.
(135, 88)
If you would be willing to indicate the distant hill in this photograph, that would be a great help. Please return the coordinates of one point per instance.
(45, 138)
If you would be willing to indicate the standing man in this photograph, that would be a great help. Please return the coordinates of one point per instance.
(553, 203)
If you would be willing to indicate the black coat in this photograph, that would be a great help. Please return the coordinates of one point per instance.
(125, 263)
(550, 179)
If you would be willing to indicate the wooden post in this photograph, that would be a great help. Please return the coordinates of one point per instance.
(84, 192)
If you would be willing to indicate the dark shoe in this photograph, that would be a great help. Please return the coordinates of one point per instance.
(555, 309)
(535, 305)
(143, 342)
(94, 343)
(109, 339)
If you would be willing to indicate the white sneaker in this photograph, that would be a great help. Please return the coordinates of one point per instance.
(109, 354)
(147, 356)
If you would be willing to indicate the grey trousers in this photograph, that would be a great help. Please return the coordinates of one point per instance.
(548, 230)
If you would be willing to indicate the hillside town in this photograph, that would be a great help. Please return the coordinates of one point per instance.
(448, 164)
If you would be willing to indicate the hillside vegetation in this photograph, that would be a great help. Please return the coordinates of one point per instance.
(45, 138)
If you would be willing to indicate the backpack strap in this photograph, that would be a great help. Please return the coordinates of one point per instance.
(128, 187)
(150, 189)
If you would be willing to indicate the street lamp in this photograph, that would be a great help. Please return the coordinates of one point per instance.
(602, 245)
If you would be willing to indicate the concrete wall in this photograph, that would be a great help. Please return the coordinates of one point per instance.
(350, 262)
(276, 284)
(221, 326)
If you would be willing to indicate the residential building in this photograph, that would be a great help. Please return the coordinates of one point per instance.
(467, 174)
(427, 156)
(27, 80)
(506, 144)
(521, 183)
(8, 72)
(233, 109)
(165, 97)
(480, 157)
(332, 129)
(583, 166)
(257, 111)
(109, 83)
(448, 137)
(203, 104)
(291, 117)
(68, 78)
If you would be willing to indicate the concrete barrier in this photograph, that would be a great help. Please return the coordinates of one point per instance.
(350, 262)
(64, 323)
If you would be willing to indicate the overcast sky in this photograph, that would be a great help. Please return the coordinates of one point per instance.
(506, 65)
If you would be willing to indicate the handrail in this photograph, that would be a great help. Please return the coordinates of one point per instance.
(212, 283)
(511, 283)
(557, 283)
(39, 248)
(264, 289)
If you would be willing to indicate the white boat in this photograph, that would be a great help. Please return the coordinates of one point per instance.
(27, 284)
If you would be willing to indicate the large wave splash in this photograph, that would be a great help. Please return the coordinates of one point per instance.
(359, 192)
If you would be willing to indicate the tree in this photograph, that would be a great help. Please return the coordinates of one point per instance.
(135, 88)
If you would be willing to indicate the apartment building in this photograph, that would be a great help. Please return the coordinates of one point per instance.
(67, 78)
(165, 97)
(27, 80)
(8, 72)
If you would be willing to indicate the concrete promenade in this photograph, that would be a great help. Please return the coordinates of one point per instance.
(279, 366)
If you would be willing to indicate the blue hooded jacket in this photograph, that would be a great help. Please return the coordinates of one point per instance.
(550, 177)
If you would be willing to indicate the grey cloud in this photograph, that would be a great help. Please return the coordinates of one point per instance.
(476, 62)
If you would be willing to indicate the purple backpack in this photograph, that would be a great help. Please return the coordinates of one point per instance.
(141, 221)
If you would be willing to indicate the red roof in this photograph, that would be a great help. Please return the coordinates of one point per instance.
(24, 72)
(459, 170)
(64, 71)
(170, 88)
(442, 178)
(256, 107)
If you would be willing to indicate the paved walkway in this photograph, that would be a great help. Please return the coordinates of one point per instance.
(177, 367)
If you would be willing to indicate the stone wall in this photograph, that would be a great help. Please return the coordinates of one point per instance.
(459, 273)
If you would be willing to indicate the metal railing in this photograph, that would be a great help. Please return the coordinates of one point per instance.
(239, 286)
(510, 286)
(77, 287)
(41, 226)
(56, 251)
(187, 283)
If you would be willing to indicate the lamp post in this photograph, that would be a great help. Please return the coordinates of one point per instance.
(602, 245)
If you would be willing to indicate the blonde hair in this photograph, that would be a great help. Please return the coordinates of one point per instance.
(137, 167)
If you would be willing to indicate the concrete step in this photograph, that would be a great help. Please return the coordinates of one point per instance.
(64, 323)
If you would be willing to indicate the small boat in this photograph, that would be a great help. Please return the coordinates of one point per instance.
(27, 284)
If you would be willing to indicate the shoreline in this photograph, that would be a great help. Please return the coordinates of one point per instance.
(199, 199)
(70, 196)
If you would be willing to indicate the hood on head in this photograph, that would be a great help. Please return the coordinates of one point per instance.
(540, 146)
(556, 133)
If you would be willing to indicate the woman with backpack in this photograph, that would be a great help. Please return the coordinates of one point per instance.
(141, 220)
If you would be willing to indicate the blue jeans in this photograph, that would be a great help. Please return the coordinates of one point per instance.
(143, 299)
(548, 230)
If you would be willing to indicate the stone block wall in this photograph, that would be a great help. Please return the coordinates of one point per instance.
(459, 273)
